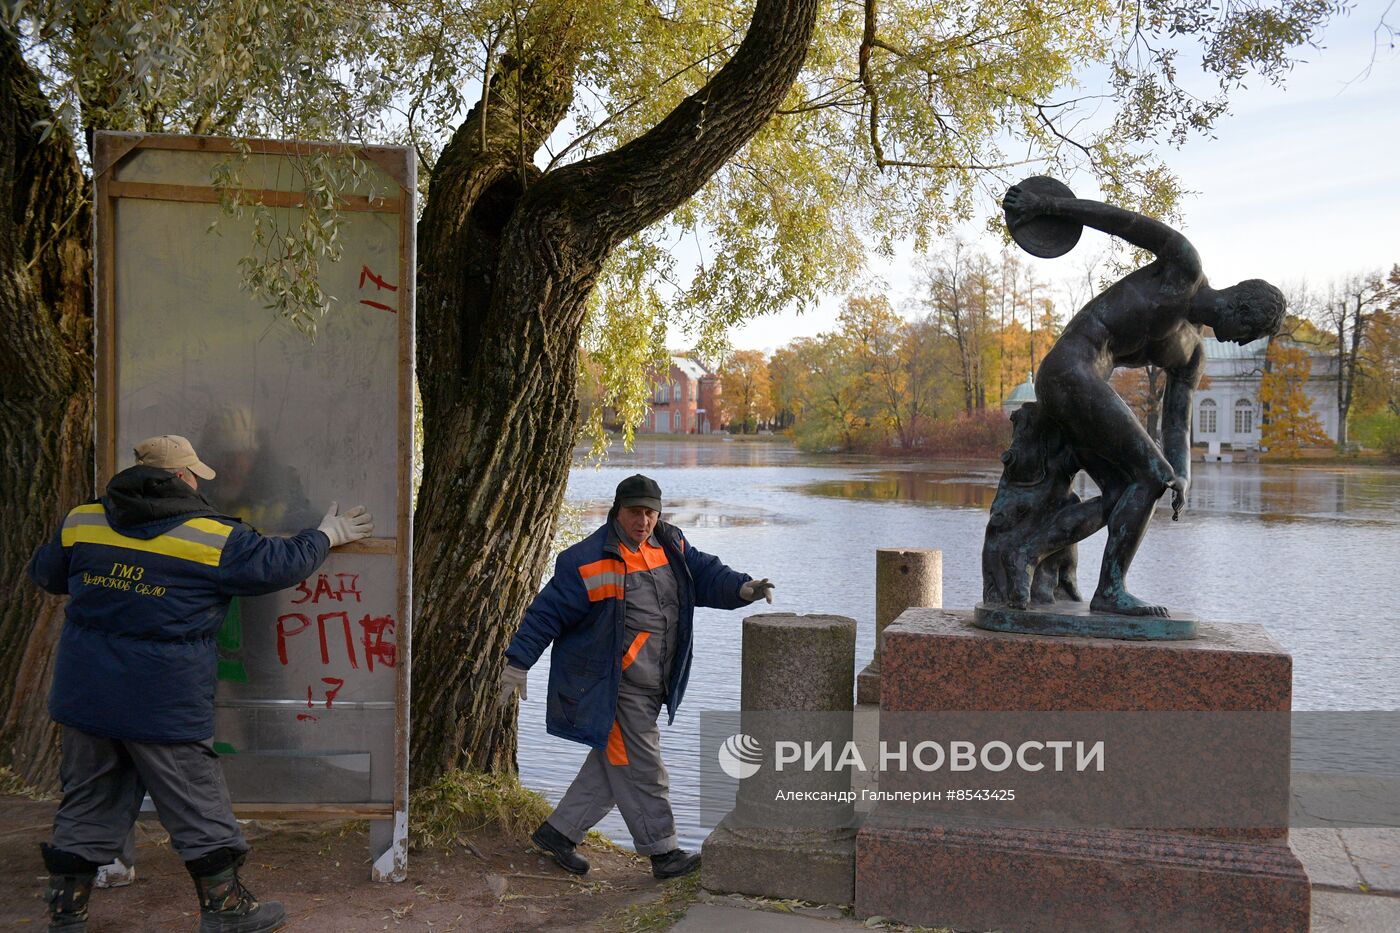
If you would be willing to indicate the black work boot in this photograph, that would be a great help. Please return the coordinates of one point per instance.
(552, 842)
(675, 863)
(225, 906)
(70, 885)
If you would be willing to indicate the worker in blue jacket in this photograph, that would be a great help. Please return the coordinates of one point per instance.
(149, 570)
(619, 611)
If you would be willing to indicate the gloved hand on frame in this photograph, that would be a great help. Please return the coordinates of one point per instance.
(351, 526)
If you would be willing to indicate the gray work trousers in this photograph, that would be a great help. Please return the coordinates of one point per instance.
(104, 781)
(630, 775)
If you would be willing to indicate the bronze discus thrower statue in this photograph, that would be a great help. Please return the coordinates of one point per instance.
(1151, 317)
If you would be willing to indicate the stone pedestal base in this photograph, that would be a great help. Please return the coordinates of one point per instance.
(958, 868)
(938, 660)
(795, 686)
(1030, 880)
(868, 685)
(814, 866)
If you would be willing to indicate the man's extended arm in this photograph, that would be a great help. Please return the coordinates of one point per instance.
(716, 585)
(1138, 229)
(253, 564)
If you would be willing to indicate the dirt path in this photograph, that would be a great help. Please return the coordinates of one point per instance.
(320, 872)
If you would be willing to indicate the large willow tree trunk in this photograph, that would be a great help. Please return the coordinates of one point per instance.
(507, 260)
(45, 395)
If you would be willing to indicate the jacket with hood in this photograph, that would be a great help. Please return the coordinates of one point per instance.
(149, 570)
(582, 611)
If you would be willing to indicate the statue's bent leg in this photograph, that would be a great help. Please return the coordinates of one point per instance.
(1071, 524)
(1129, 467)
(1067, 587)
(1126, 527)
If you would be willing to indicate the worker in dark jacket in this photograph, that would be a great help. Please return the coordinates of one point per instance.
(149, 570)
(619, 612)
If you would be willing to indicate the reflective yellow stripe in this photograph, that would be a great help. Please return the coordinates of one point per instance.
(161, 544)
(211, 526)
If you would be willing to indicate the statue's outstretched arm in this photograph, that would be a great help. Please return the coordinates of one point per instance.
(1138, 229)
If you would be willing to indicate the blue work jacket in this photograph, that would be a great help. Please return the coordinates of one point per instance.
(149, 570)
(581, 611)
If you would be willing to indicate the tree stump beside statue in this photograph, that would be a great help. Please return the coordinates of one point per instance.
(1039, 469)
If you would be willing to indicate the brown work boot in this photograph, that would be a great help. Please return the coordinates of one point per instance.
(70, 886)
(225, 905)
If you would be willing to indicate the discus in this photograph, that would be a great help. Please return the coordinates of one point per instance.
(1039, 234)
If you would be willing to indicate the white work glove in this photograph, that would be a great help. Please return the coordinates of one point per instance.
(756, 588)
(342, 529)
(512, 679)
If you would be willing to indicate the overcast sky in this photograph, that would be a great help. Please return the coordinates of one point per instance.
(1299, 182)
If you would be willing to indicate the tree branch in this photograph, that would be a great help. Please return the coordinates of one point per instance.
(867, 45)
(630, 106)
(614, 195)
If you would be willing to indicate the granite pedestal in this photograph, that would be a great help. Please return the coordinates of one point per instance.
(796, 684)
(969, 868)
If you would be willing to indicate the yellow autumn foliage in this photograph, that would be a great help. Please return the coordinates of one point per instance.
(1291, 424)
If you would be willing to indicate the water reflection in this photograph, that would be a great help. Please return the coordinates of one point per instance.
(1272, 493)
(708, 451)
(959, 491)
(1291, 493)
(690, 513)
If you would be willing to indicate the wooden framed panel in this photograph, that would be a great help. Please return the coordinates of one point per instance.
(312, 707)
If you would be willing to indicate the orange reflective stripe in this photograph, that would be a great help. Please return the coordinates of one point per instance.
(606, 591)
(606, 565)
(603, 579)
(632, 652)
(648, 557)
(617, 752)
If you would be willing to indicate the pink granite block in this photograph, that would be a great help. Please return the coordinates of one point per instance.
(993, 868)
(1076, 881)
(935, 659)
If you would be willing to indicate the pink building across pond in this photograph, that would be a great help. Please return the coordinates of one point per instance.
(686, 401)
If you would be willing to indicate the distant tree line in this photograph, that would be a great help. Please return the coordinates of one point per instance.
(1356, 321)
(932, 380)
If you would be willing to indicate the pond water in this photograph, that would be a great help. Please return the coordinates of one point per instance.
(1313, 554)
